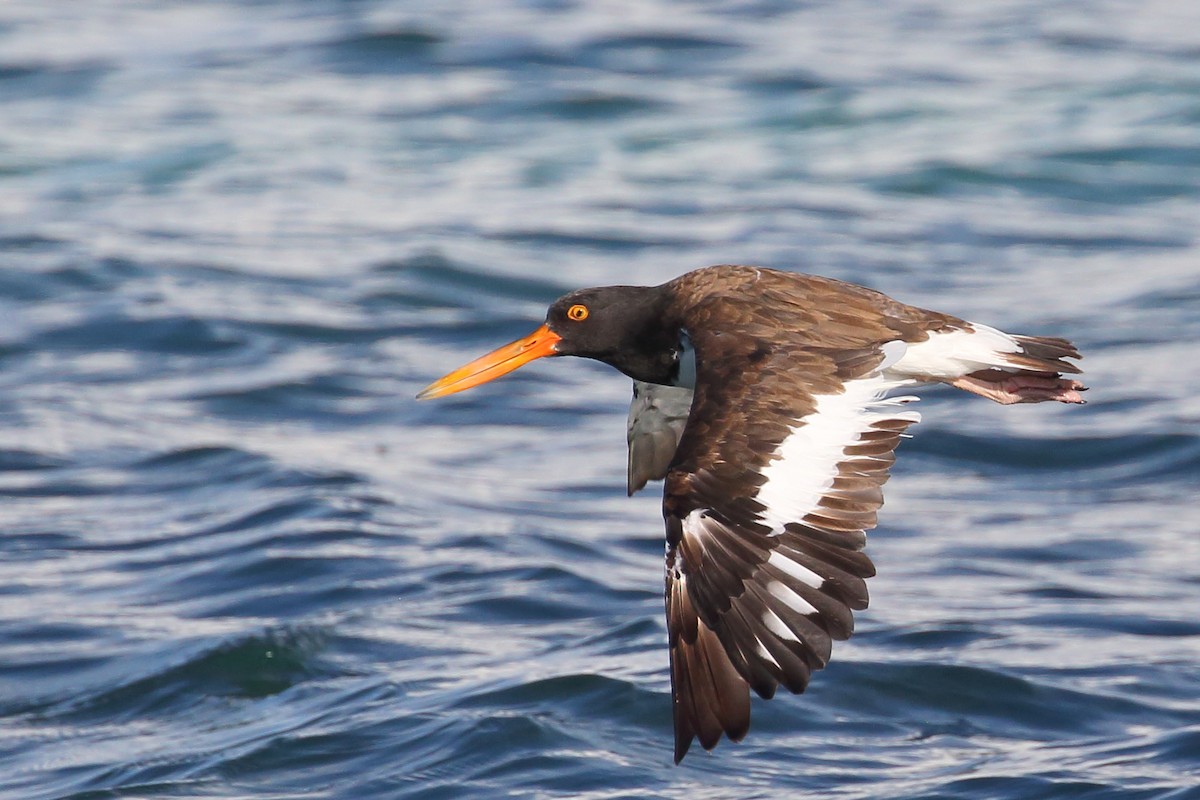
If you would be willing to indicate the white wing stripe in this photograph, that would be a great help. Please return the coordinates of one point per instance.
(804, 465)
(797, 571)
(790, 598)
(775, 625)
(766, 654)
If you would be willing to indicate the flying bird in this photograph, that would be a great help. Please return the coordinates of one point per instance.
(762, 400)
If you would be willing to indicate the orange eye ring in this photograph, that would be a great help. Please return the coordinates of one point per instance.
(577, 313)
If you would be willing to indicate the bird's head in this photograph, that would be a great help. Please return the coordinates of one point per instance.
(620, 325)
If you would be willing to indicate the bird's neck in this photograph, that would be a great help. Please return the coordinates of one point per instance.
(655, 348)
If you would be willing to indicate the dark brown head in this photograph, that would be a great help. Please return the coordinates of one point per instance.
(628, 327)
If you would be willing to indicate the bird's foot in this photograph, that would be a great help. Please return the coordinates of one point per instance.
(1007, 388)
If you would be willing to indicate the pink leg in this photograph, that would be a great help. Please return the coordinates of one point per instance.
(1008, 388)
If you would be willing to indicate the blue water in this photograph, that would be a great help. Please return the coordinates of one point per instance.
(239, 561)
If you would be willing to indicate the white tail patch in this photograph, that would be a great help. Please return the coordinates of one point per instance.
(804, 465)
(953, 354)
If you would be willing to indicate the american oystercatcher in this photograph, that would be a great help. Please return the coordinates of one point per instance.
(777, 474)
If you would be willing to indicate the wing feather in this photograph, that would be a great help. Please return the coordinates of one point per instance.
(767, 501)
(657, 415)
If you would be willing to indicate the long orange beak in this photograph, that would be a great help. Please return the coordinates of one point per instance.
(496, 363)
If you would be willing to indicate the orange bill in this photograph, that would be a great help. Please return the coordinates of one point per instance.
(496, 363)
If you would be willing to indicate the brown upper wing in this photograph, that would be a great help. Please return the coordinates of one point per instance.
(776, 479)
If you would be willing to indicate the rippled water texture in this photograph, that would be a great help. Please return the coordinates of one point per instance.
(238, 560)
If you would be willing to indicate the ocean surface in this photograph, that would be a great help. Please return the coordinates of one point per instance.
(238, 560)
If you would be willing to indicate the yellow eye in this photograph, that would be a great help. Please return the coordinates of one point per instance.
(577, 312)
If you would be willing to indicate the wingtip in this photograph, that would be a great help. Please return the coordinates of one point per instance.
(635, 478)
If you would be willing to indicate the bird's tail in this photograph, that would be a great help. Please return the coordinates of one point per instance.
(1032, 374)
(995, 365)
